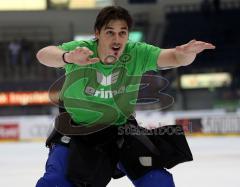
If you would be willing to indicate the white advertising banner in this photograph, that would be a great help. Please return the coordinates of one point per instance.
(30, 127)
(221, 124)
(38, 127)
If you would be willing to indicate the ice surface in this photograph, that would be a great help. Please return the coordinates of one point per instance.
(216, 164)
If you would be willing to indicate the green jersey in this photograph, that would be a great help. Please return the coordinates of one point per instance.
(106, 94)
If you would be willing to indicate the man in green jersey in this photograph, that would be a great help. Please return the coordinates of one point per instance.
(99, 95)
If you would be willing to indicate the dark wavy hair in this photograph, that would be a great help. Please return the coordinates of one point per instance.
(112, 13)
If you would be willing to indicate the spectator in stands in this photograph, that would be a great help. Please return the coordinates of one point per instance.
(26, 51)
(95, 97)
(14, 48)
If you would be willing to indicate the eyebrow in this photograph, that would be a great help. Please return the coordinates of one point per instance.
(111, 28)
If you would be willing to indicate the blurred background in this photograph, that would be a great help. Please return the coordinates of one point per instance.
(203, 97)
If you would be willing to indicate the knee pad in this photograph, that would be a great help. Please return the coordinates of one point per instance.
(155, 178)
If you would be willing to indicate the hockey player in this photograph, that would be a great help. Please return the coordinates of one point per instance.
(96, 98)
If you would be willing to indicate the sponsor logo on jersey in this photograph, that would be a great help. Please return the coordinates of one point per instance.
(104, 94)
(107, 80)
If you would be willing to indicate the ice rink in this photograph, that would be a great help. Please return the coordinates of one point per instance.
(216, 164)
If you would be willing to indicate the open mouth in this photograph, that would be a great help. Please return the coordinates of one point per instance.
(116, 50)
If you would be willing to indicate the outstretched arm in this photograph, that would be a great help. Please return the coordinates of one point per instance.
(52, 56)
(182, 55)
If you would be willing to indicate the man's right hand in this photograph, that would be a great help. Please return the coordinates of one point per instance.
(80, 56)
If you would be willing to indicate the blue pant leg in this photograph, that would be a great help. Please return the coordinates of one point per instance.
(55, 169)
(154, 178)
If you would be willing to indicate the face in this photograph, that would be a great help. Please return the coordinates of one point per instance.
(112, 39)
